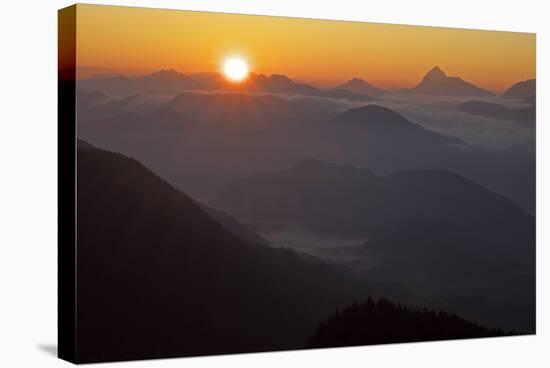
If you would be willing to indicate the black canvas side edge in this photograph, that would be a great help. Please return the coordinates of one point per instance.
(66, 159)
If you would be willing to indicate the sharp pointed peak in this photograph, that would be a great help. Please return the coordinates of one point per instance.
(360, 85)
(356, 80)
(435, 72)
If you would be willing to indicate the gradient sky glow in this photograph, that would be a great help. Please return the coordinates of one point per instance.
(321, 52)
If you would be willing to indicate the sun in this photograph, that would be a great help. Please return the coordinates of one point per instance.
(235, 69)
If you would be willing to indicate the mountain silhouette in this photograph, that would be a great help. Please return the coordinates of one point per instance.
(160, 82)
(423, 227)
(381, 138)
(232, 225)
(279, 83)
(209, 80)
(521, 90)
(254, 131)
(361, 86)
(275, 83)
(365, 201)
(158, 276)
(436, 82)
(364, 324)
(381, 121)
(386, 141)
(151, 259)
(170, 138)
(169, 81)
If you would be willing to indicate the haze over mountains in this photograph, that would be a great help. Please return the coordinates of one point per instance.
(380, 192)
(171, 269)
(254, 131)
(201, 285)
(366, 201)
(160, 82)
(525, 116)
(428, 220)
(253, 184)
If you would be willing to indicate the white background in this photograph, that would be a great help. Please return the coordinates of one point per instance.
(28, 183)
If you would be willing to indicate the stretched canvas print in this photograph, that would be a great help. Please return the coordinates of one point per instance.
(238, 183)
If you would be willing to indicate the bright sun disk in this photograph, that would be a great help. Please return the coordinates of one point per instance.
(235, 69)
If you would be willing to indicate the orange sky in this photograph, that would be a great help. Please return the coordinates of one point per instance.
(316, 51)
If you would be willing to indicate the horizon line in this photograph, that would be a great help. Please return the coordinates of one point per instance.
(136, 73)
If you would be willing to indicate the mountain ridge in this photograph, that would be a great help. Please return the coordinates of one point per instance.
(360, 85)
(150, 258)
(170, 81)
(521, 90)
(436, 82)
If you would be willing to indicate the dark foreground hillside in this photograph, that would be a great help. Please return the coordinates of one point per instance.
(157, 276)
(384, 322)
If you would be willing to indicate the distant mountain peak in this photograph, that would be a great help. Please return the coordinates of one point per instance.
(357, 81)
(436, 82)
(435, 73)
(372, 111)
(521, 90)
(361, 86)
(379, 121)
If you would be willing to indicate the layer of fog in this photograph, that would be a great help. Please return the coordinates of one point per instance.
(436, 113)
(441, 114)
